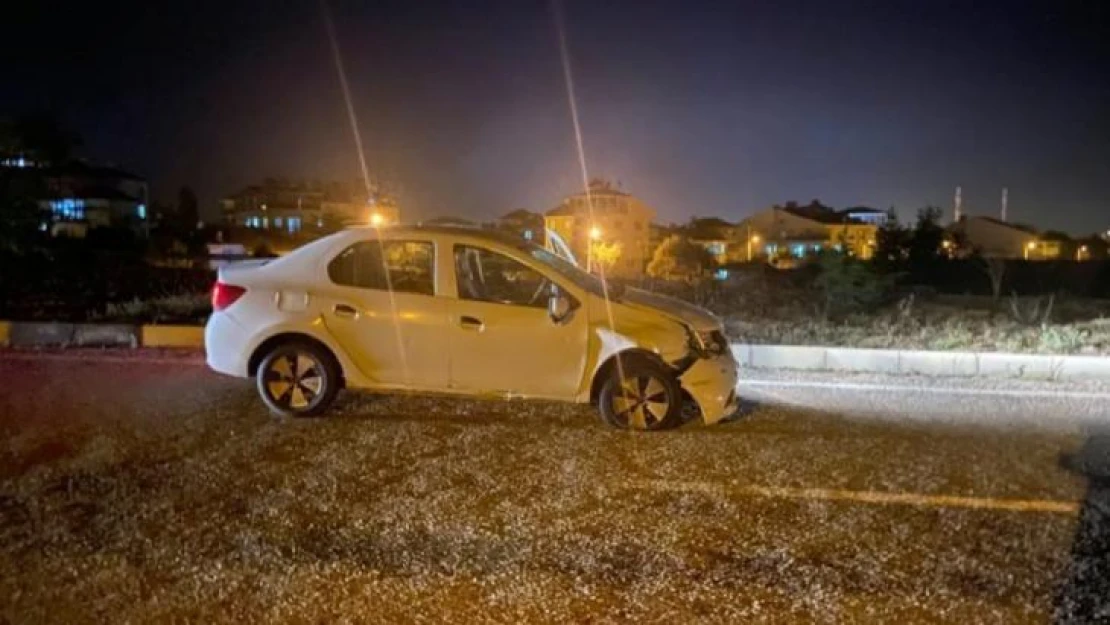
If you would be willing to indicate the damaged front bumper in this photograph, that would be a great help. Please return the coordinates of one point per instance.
(711, 382)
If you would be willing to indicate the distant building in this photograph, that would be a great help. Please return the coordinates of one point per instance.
(796, 232)
(717, 236)
(523, 223)
(617, 218)
(863, 214)
(994, 238)
(79, 196)
(293, 207)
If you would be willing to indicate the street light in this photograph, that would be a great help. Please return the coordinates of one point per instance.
(1081, 252)
(376, 220)
(595, 234)
(1029, 247)
(753, 239)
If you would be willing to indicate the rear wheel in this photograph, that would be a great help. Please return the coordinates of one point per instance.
(646, 397)
(298, 380)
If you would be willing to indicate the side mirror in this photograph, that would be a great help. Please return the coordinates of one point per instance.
(559, 307)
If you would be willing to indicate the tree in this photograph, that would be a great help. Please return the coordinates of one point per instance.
(187, 214)
(849, 285)
(892, 245)
(20, 214)
(926, 252)
(40, 140)
(604, 255)
(678, 258)
(995, 268)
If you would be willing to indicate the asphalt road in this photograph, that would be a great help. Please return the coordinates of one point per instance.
(141, 487)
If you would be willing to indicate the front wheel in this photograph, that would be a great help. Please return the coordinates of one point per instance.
(641, 395)
(298, 380)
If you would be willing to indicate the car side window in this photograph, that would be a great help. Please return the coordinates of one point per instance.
(487, 276)
(403, 266)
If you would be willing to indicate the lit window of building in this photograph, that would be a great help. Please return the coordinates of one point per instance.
(68, 209)
(140, 211)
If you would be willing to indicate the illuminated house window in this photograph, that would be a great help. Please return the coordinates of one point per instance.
(68, 209)
(293, 224)
(798, 250)
(18, 162)
(277, 222)
(140, 211)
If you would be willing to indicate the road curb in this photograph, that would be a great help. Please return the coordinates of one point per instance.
(920, 362)
(172, 336)
(60, 334)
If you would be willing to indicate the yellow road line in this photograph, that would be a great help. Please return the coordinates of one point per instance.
(865, 496)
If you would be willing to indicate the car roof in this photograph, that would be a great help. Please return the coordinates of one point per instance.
(483, 234)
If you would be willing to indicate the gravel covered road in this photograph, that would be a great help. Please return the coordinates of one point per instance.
(139, 487)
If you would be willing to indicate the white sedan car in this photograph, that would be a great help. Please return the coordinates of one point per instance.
(466, 312)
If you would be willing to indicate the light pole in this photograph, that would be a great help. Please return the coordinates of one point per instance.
(595, 234)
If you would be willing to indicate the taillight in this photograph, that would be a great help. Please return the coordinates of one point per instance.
(224, 295)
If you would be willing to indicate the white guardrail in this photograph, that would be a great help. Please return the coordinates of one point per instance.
(918, 362)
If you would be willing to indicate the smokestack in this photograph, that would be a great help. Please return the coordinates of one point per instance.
(959, 206)
(1004, 198)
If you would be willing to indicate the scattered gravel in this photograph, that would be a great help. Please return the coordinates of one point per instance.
(133, 493)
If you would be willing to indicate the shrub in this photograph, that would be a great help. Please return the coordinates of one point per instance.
(848, 285)
(678, 258)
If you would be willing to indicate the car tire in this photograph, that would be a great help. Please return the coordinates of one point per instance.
(649, 399)
(298, 379)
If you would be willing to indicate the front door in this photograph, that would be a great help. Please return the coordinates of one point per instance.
(502, 338)
(383, 309)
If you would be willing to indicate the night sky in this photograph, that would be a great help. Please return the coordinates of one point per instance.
(699, 108)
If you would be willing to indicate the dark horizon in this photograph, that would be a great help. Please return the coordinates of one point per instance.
(698, 109)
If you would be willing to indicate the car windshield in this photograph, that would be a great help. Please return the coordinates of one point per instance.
(570, 271)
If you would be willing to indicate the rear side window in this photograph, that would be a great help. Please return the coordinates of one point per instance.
(403, 266)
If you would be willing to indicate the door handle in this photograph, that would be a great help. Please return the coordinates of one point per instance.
(471, 323)
(343, 310)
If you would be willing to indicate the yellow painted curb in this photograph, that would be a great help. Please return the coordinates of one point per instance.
(171, 336)
(5, 333)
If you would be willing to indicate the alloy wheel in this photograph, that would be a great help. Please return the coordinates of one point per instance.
(641, 402)
(295, 381)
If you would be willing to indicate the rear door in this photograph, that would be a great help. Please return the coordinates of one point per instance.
(502, 339)
(383, 309)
